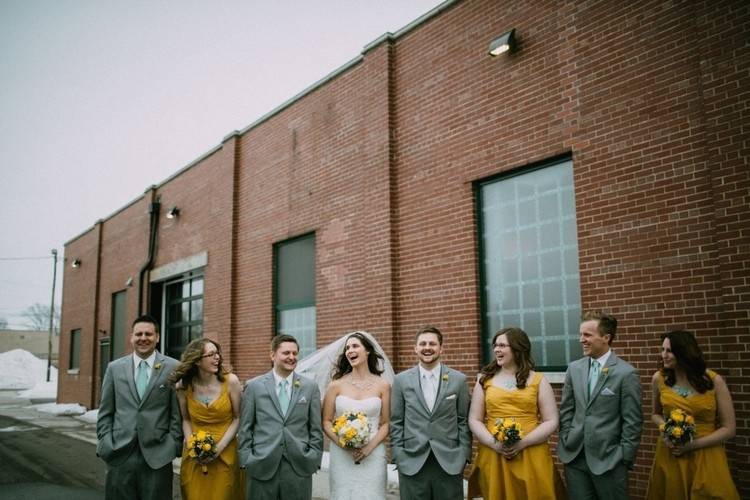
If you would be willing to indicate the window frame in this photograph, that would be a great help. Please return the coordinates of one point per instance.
(166, 303)
(73, 353)
(481, 224)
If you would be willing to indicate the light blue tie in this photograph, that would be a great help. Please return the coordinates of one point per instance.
(283, 396)
(141, 380)
(593, 375)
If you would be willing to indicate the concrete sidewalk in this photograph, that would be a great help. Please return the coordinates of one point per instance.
(22, 409)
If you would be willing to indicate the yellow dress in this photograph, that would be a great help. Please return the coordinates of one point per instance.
(699, 474)
(531, 473)
(223, 479)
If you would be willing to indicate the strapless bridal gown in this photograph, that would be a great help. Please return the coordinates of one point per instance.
(366, 480)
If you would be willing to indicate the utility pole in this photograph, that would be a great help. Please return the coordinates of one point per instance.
(51, 313)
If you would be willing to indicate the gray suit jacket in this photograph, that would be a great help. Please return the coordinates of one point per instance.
(415, 430)
(154, 423)
(265, 434)
(606, 425)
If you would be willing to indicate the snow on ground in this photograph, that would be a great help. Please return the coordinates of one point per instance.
(64, 409)
(42, 390)
(20, 369)
(89, 417)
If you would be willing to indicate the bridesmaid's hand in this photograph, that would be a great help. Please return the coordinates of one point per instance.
(678, 451)
(510, 452)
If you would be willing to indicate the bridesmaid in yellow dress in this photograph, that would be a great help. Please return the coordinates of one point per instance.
(509, 388)
(699, 469)
(209, 397)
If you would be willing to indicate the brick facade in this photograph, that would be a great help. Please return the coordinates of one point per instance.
(381, 161)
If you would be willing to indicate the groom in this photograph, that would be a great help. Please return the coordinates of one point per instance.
(600, 415)
(139, 426)
(430, 437)
(280, 439)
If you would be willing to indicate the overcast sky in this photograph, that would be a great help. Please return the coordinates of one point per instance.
(101, 99)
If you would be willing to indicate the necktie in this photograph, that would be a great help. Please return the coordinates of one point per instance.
(283, 396)
(141, 379)
(593, 375)
(430, 391)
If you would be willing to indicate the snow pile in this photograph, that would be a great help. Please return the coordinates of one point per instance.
(42, 390)
(64, 409)
(20, 369)
(89, 417)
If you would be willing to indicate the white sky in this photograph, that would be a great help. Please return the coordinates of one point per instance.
(101, 99)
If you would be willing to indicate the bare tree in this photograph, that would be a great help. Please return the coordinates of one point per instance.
(3, 324)
(37, 317)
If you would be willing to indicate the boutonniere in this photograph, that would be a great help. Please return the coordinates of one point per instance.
(445, 377)
(157, 366)
(605, 370)
(297, 384)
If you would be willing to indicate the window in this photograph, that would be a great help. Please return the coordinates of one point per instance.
(74, 360)
(118, 328)
(529, 261)
(183, 313)
(294, 279)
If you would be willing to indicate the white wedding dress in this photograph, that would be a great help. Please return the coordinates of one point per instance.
(366, 480)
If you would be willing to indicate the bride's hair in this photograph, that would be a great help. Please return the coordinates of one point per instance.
(343, 367)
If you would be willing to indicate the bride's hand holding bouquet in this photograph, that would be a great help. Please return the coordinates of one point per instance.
(353, 432)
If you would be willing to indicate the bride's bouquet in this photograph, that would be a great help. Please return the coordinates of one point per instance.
(352, 429)
(201, 446)
(678, 427)
(507, 431)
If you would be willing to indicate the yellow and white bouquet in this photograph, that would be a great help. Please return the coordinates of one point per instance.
(678, 427)
(506, 431)
(201, 446)
(352, 429)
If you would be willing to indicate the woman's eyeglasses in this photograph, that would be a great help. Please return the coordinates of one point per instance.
(212, 354)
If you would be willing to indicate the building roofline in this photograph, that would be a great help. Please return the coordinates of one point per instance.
(385, 37)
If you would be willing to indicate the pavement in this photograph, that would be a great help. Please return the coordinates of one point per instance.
(22, 410)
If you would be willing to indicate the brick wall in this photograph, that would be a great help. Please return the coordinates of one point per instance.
(380, 162)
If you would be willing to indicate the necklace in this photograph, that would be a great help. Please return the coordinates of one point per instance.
(204, 399)
(682, 391)
(507, 383)
(362, 385)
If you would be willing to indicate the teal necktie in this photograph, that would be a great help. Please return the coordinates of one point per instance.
(283, 396)
(141, 380)
(593, 375)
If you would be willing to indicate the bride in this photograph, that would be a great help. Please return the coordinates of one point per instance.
(357, 386)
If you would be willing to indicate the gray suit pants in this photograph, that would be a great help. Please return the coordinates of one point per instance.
(133, 479)
(431, 483)
(285, 484)
(585, 485)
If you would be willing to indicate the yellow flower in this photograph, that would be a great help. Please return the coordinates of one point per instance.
(689, 420)
(445, 377)
(662, 426)
(157, 366)
(192, 454)
(201, 436)
(677, 416)
(296, 383)
(206, 446)
(605, 370)
(677, 432)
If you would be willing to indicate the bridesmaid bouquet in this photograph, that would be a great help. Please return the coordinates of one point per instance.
(201, 446)
(679, 427)
(507, 431)
(352, 429)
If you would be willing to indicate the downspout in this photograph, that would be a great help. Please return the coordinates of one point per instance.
(153, 209)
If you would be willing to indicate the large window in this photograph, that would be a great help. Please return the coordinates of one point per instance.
(183, 313)
(119, 328)
(529, 261)
(74, 360)
(295, 290)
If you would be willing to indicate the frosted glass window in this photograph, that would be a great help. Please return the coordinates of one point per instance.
(530, 276)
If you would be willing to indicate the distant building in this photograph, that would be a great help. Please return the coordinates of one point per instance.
(602, 164)
(34, 341)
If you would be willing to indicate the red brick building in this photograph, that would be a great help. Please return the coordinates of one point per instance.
(602, 164)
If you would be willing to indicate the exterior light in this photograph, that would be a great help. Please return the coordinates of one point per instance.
(504, 43)
(173, 213)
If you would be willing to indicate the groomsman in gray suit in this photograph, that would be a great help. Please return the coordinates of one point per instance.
(280, 436)
(430, 437)
(600, 415)
(139, 425)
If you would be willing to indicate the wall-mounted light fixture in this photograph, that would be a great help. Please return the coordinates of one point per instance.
(173, 213)
(76, 263)
(504, 43)
(129, 281)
